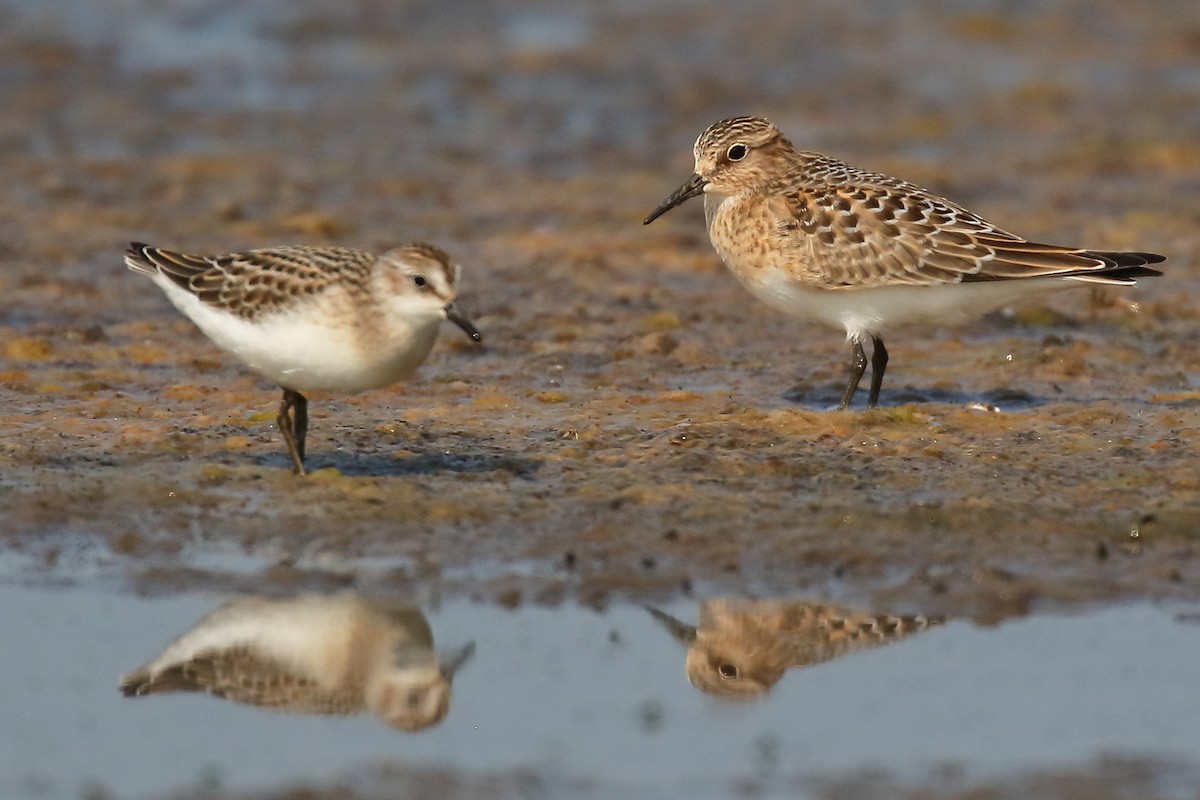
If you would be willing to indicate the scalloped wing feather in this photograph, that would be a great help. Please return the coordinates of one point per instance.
(862, 230)
(258, 282)
(244, 675)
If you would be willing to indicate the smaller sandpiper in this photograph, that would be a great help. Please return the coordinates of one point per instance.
(313, 654)
(314, 318)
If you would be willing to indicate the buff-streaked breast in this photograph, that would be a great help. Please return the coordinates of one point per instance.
(825, 241)
(314, 318)
(741, 648)
(339, 654)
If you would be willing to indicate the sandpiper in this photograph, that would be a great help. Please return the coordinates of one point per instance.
(823, 240)
(313, 654)
(741, 648)
(314, 318)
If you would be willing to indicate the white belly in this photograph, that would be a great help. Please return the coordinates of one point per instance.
(306, 351)
(877, 309)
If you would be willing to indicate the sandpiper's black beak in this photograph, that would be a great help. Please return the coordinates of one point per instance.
(694, 186)
(460, 319)
(680, 631)
(453, 662)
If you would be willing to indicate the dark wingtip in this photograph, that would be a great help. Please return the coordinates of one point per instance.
(133, 686)
(1126, 258)
(1130, 266)
(136, 258)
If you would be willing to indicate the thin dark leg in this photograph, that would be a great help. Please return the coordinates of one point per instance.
(858, 365)
(300, 404)
(294, 427)
(879, 359)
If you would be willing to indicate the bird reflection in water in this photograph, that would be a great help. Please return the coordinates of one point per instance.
(741, 648)
(314, 654)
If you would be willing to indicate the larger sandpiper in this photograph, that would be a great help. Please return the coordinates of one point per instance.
(314, 318)
(741, 648)
(822, 240)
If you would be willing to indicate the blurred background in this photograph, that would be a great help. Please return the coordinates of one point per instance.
(175, 118)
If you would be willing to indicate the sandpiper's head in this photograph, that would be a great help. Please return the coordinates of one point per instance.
(731, 672)
(734, 155)
(722, 659)
(413, 697)
(409, 701)
(425, 278)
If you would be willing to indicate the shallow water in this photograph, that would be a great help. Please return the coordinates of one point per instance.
(568, 693)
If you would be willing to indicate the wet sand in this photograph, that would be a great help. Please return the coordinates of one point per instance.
(635, 426)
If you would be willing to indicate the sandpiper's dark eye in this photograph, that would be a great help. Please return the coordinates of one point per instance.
(419, 280)
(727, 671)
(736, 152)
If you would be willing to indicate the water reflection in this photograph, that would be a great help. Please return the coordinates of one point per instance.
(314, 654)
(741, 648)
